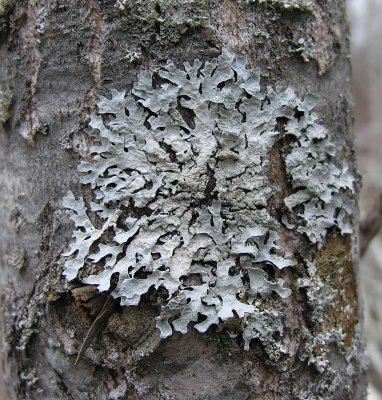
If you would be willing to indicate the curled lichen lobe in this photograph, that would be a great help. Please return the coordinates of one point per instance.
(180, 177)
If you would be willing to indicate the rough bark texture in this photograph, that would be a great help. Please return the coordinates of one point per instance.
(56, 57)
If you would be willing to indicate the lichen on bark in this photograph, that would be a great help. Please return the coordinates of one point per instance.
(180, 178)
(54, 74)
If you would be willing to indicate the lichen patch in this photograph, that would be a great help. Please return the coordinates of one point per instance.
(335, 266)
(180, 174)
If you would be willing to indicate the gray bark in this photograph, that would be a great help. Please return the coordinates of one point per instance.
(56, 57)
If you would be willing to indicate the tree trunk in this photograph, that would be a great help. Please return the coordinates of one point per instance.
(57, 57)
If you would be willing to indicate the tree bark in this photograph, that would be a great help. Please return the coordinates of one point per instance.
(56, 58)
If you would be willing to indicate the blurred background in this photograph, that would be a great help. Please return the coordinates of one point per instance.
(366, 20)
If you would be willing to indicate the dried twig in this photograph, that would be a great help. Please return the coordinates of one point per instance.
(97, 325)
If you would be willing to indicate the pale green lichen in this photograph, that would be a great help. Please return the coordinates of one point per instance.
(306, 5)
(179, 174)
(132, 56)
(331, 294)
(303, 47)
(18, 258)
(4, 5)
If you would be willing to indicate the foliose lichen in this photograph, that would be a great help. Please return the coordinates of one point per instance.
(287, 4)
(179, 172)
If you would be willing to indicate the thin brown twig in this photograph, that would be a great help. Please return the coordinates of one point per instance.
(96, 326)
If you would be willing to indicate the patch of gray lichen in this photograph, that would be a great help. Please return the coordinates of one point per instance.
(287, 4)
(179, 172)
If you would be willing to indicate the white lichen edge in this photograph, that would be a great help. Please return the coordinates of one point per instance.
(179, 173)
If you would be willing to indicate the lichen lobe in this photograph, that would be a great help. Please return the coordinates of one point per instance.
(179, 174)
